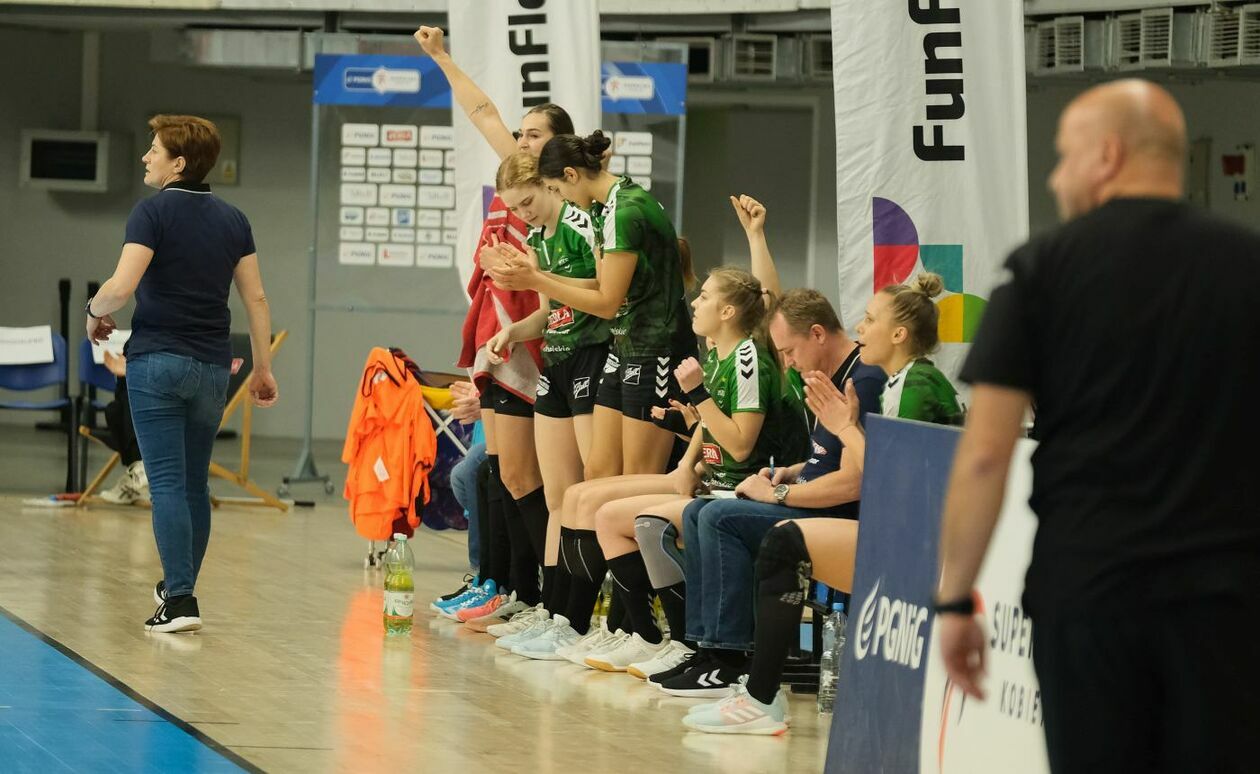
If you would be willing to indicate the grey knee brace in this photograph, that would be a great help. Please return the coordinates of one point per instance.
(657, 539)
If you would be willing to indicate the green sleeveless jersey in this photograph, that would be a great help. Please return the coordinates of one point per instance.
(568, 252)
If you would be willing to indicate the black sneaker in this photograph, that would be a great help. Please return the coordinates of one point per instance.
(176, 615)
(706, 678)
(159, 592)
(469, 582)
(688, 662)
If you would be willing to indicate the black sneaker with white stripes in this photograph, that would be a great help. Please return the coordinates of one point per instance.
(707, 677)
(176, 614)
(659, 678)
(159, 592)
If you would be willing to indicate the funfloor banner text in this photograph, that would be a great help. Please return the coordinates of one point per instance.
(521, 54)
(931, 151)
(895, 710)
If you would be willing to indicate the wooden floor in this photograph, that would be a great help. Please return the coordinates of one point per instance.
(292, 671)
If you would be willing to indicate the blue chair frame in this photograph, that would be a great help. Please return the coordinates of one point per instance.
(27, 378)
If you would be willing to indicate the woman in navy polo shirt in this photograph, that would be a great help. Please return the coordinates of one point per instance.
(183, 250)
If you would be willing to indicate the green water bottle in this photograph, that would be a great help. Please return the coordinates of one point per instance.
(400, 588)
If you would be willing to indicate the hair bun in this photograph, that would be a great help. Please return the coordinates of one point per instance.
(928, 283)
(595, 144)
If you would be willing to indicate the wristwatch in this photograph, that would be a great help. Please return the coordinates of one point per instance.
(964, 606)
(780, 493)
(88, 309)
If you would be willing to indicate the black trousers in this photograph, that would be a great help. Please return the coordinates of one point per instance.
(122, 434)
(1161, 690)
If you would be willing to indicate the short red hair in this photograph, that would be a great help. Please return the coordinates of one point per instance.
(196, 139)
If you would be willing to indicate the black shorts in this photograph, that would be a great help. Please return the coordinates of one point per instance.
(634, 385)
(568, 388)
(500, 401)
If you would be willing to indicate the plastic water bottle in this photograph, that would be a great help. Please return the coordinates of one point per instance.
(833, 639)
(400, 588)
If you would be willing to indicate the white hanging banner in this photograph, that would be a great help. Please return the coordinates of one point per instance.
(931, 152)
(521, 54)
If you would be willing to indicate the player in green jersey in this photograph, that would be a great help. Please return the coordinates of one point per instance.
(575, 344)
(640, 288)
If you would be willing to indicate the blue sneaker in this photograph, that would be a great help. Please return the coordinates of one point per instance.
(475, 597)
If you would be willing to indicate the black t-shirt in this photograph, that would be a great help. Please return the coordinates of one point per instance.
(1134, 329)
(182, 299)
(868, 382)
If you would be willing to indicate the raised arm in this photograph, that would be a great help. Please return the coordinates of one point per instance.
(475, 103)
(752, 216)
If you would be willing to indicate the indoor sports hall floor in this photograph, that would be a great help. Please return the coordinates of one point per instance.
(292, 671)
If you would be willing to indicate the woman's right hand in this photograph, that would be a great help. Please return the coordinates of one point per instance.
(263, 388)
(467, 402)
(685, 480)
(497, 346)
(430, 40)
(751, 213)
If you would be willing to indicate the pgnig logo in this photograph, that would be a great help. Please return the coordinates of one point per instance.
(891, 629)
(897, 255)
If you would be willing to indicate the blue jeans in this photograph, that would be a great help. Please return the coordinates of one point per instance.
(722, 538)
(176, 406)
(464, 485)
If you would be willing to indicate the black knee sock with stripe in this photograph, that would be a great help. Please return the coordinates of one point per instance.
(630, 577)
(783, 571)
(587, 568)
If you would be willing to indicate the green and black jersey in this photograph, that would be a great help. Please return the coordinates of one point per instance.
(568, 252)
(749, 380)
(633, 221)
(920, 391)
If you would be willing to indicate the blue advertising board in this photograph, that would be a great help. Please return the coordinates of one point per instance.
(879, 702)
(380, 81)
(652, 88)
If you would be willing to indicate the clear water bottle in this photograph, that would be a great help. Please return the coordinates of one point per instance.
(400, 588)
(833, 639)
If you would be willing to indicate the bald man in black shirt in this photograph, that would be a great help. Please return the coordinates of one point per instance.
(1131, 328)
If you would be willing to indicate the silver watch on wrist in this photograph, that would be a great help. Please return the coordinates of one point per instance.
(780, 493)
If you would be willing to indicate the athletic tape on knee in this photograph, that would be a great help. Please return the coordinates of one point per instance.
(657, 539)
(783, 565)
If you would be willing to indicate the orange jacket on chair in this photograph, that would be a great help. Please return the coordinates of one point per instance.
(390, 447)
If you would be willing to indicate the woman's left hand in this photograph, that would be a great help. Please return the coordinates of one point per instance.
(689, 374)
(99, 328)
(262, 386)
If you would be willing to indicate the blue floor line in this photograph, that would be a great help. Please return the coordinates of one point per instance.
(60, 713)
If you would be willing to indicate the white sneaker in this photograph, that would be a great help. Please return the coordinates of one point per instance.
(665, 659)
(740, 713)
(540, 625)
(629, 652)
(127, 489)
(593, 640)
(517, 623)
(543, 647)
(780, 701)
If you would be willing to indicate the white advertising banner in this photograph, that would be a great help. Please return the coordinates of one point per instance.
(1004, 732)
(931, 152)
(26, 346)
(522, 53)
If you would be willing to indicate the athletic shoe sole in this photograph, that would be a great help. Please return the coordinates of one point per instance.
(778, 729)
(633, 670)
(185, 623)
(539, 656)
(698, 693)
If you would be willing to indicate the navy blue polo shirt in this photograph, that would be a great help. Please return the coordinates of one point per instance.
(182, 299)
(868, 382)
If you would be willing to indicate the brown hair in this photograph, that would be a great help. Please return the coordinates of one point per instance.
(518, 169)
(581, 153)
(685, 263)
(803, 308)
(196, 139)
(743, 291)
(912, 307)
(557, 117)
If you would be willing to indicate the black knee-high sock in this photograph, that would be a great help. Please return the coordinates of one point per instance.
(556, 591)
(783, 571)
(524, 562)
(588, 568)
(631, 578)
(484, 563)
(535, 515)
(498, 565)
(617, 618)
(674, 603)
